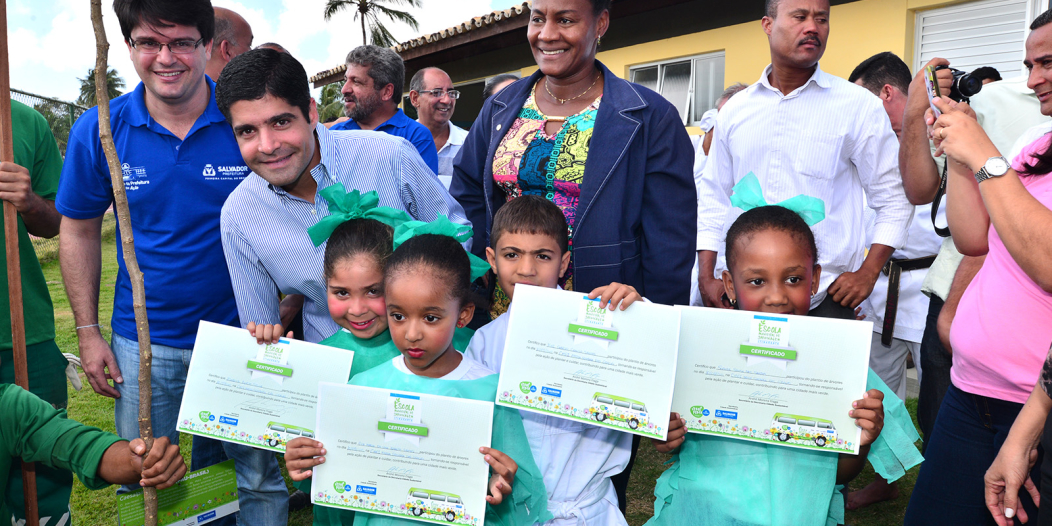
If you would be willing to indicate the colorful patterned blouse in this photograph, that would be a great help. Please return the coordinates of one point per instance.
(530, 162)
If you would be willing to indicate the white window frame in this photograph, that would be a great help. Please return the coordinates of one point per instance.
(689, 107)
(1033, 9)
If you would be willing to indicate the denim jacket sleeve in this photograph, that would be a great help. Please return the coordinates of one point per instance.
(669, 211)
(469, 179)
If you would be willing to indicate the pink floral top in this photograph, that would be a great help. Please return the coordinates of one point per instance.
(530, 162)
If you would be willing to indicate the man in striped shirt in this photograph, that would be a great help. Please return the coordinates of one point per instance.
(800, 130)
(265, 97)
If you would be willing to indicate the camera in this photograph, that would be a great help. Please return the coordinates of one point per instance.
(964, 85)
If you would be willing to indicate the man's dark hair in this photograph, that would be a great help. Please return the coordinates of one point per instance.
(385, 67)
(764, 218)
(770, 8)
(880, 69)
(530, 214)
(986, 72)
(491, 84)
(166, 13)
(259, 72)
(417, 82)
(272, 45)
(1042, 20)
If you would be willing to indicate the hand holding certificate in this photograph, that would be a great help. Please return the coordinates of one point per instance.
(566, 357)
(409, 455)
(784, 380)
(261, 395)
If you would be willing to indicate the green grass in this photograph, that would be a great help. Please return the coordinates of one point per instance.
(99, 507)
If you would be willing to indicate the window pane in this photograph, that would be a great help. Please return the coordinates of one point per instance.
(646, 77)
(675, 85)
(708, 84)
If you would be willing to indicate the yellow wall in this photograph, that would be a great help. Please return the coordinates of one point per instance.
(858, 30)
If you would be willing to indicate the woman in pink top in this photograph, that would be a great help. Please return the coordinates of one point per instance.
(1003, 326)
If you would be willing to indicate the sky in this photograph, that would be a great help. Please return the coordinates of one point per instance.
(52, 43)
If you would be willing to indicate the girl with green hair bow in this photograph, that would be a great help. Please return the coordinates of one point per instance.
(360, 238)
(426, 283)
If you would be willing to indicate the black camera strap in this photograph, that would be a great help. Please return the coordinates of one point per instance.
(943, 232)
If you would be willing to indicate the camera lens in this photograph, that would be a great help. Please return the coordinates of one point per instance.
(969, 85)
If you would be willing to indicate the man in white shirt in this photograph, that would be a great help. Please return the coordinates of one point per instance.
(803, 131)
(702, 143)
(431, 93)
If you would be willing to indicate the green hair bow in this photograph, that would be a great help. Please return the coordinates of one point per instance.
(443, 227)
(747, 195)
(345, 206)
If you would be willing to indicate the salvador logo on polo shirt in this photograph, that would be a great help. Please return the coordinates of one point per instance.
(133, 176)
(224, 172)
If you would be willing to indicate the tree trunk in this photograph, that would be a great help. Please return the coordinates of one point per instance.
(120, 205)
(14, 271)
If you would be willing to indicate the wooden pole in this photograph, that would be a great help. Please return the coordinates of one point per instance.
(120, 205)
(14, 270)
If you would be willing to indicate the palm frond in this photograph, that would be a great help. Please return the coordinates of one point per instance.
(379, 35)
(335, 6)
(396, 15)
(410, 3)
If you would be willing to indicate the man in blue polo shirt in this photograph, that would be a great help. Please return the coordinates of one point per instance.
(371, 93)
(180, 161)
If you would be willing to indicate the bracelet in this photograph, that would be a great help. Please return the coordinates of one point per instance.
(88, 326)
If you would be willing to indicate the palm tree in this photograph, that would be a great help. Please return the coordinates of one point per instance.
(331, 106)
(87, 87)
(371, 10)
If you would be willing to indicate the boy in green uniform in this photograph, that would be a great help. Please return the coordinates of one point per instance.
(32, 430)
(30, 184)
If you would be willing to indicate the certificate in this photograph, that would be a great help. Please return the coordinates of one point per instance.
(403, 454)
(784, 380)
(260, 395)
(200, 497)
(567, 357)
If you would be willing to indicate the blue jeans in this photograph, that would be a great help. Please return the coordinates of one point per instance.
(263, 496)
(936, 363)
(965, 439)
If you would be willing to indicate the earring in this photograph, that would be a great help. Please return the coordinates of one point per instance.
(460, 325)
(598, 40)
(734, 304)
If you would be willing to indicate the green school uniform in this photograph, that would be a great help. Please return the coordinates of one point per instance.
(368, 353)
(32, 430)
(528, 502)
(719, 481)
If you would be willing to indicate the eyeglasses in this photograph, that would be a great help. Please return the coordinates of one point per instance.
(438, 92)
(176, 47)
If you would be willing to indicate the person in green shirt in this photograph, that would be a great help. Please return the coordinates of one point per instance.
(30, 184)
(34, 431)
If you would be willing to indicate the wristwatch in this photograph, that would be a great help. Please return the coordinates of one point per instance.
(994, 167)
